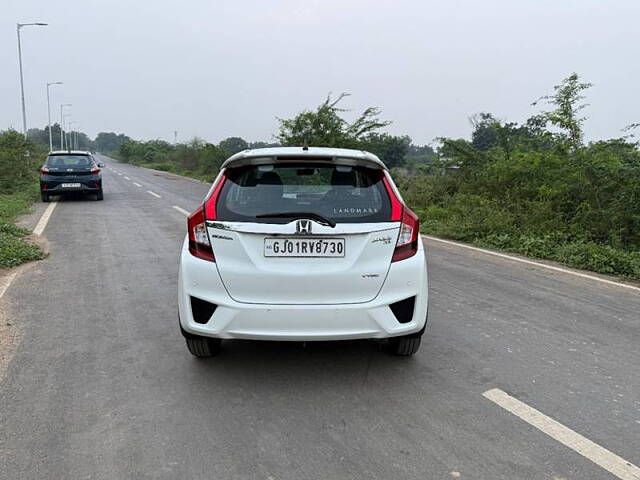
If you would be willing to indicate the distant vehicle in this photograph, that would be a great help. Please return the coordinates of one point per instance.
(70, 171)
(302, 244)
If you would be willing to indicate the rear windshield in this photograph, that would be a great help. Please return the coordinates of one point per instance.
(344, 194)
(68, 161)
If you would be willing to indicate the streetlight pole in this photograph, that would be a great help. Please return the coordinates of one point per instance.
(61, 125)
(65, 142)
(49, 113)
(24, 110)
(74, 136)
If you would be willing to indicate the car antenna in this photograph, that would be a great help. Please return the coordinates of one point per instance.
(305, 147)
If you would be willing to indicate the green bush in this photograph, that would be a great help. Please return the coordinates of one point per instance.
(19, 162)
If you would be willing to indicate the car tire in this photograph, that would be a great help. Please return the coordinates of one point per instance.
(406, 345)
(99, 195)
(44, 196)
(203, 347)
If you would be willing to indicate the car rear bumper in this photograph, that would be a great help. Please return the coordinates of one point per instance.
(56, 188)
(375, 319)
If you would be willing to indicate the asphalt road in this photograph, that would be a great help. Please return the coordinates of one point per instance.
(101, 385)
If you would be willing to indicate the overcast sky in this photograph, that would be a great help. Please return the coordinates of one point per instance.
(218, 68)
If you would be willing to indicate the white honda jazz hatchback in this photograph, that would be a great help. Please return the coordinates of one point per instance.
(303, 244)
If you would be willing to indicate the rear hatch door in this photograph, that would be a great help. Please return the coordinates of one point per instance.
(275, 264)
(303, 234)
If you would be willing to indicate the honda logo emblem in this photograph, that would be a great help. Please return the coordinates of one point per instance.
(303, 226)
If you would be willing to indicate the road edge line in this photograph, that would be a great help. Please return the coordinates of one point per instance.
(44, 219)
(536, 264)
(602, 457)
(5, 282)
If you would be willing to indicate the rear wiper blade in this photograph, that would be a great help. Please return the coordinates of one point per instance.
(293, 215)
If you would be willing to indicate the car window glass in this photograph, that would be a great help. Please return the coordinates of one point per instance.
(68, 161)
(345, 194)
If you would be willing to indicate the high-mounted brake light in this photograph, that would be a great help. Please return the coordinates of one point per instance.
(407, 243)
(199, 244)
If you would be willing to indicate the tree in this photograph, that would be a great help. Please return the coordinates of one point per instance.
(567, 101)
(324, 127)
(233, 145)
(391, 149)
(40, 136)
(109, 141)
(263, 145)
(485, 131)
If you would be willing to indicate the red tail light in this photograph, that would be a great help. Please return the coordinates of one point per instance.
(407, 243)
(95, 171)
(199, 244)
(210, 207)
(44, 170)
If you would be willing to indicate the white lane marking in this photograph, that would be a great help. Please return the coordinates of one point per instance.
(576, 442)
(537, 264)
(126, 178)
(119, 173)
(44, 219)
(137, 184)
(181, 210)
(6, 281)
(154, 194)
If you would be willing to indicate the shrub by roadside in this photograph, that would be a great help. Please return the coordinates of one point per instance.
(19, 161)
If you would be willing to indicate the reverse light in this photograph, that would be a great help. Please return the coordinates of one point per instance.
(199, 244)
(407, 243)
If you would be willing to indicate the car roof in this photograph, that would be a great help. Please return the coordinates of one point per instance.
(260, 156)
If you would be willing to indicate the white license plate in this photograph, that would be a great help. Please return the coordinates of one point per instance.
(70, 185)
(304, 247)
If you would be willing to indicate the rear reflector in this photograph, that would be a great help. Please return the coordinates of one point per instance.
(201, 310)
(403, 310)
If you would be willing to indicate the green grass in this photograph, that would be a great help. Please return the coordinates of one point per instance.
(495, 232)
(12, 205)
(14, 248)
(173, 168)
